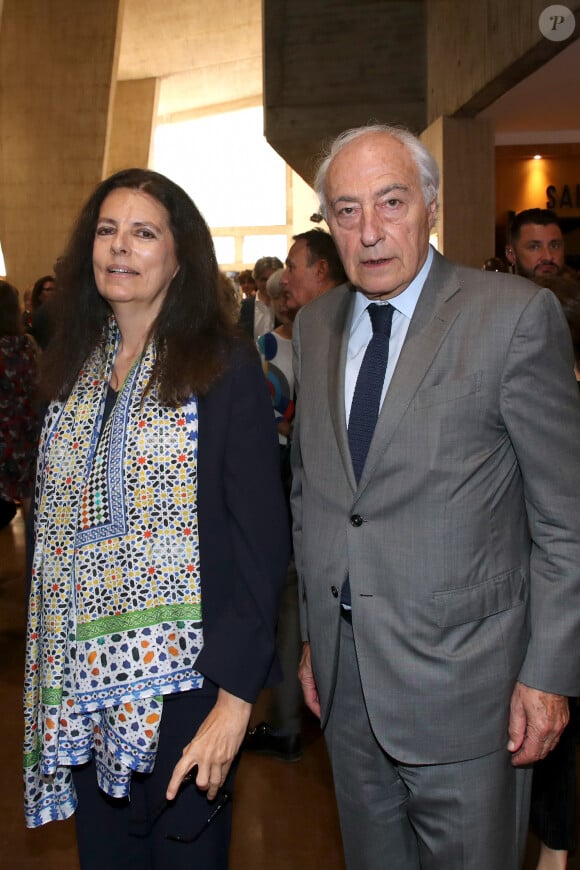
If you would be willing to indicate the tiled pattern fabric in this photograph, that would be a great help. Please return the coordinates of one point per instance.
(115, 609)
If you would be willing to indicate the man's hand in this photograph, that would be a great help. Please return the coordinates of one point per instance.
(284, 428)
(536, 721)
(306, 677)
(214, 747)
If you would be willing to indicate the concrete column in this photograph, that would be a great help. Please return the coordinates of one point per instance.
(464, 150)
(57, 70)
(134, 113)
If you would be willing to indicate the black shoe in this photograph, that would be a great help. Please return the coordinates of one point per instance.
(262, 739)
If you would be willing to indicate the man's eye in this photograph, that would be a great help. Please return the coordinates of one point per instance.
(346, 211)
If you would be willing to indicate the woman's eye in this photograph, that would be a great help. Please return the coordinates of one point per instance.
(146, 234)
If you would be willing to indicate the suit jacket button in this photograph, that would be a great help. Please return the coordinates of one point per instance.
(356, 520)
(334, 591)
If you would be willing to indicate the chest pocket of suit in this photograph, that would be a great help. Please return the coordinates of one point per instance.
(448, 391)
(450, 415)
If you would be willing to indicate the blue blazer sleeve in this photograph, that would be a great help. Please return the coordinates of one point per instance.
(244, 531)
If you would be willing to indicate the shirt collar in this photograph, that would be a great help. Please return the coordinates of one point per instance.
(405, 302)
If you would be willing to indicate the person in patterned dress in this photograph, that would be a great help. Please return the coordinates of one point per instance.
(18, 412)
(153, 592)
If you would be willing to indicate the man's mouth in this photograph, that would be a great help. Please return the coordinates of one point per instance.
(378, 262)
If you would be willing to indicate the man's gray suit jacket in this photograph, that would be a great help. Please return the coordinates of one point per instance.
(462, 539)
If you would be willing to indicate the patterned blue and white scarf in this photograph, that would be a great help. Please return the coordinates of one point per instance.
(115, 607)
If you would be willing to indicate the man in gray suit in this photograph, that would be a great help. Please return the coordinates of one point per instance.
(438, 550)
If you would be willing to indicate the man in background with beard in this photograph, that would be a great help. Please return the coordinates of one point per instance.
(535, 246)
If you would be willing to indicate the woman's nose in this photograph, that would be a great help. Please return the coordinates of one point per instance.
(119, 243)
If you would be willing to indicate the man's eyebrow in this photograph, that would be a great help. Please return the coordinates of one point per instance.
(379, 193)
(390, 188)
(343, 198)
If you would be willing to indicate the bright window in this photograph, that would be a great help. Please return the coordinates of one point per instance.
(255, 247)
(225, 249)
(225, 164)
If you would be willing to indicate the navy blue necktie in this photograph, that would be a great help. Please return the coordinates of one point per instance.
(366, 401)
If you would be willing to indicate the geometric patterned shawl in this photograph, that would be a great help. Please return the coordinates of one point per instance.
(115, 607)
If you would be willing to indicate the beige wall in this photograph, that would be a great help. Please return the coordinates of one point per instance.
(57, 72)
(133, 116)
(464, 151)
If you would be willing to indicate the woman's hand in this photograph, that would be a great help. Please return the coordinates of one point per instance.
(214, 747)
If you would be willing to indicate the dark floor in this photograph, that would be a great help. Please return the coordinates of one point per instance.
(284, 814)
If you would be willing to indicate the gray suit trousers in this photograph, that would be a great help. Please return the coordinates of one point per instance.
(468, 815)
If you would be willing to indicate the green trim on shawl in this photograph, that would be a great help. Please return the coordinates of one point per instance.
(32, 758)
(139, 619)
(51, 695)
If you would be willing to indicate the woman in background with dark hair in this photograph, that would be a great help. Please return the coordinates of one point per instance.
(41, 313)
(160, 541)
(18, 412)
(42, 291)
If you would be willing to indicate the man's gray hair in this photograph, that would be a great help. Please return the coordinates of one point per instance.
(422, 157)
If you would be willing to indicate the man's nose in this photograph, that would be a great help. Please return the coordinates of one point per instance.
(371, 229)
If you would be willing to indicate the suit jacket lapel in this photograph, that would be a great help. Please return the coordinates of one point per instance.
(437, 308)
(338, 346)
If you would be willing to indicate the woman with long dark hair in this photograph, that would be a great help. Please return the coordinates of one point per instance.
(160, 540)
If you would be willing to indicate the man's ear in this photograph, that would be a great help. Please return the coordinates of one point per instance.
(322, 269)
(432, 210)
(510, 255)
